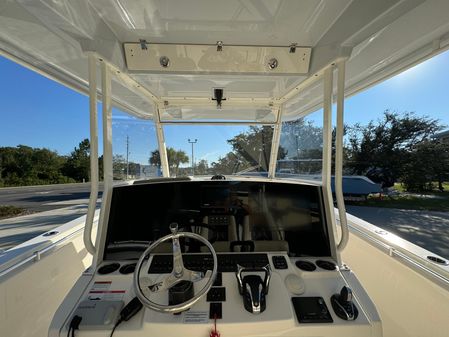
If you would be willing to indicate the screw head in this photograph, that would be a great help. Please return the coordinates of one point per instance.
(273, 63)
(164, 61)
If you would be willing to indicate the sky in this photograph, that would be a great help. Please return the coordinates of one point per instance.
(39, 112)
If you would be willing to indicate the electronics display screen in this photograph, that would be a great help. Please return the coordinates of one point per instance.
(264, 212)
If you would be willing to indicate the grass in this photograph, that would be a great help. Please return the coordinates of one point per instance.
(10, 211)
(430, 201)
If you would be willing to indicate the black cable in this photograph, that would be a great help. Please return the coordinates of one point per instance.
(74, 325)
(115, 326)
(132, 308)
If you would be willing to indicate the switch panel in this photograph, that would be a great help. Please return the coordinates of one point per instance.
(311, 310)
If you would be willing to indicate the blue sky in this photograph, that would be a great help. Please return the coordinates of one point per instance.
(38, 112)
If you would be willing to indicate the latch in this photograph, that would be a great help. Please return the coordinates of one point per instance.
(143, 44)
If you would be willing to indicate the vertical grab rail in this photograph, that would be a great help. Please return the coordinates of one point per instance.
(87, 235)
(107, 155)
(327, 145)
(339, 156)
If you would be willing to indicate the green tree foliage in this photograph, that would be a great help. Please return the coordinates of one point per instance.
(229, 164)
(202, 167)
(250, 150)
(23, 165)
(395, 145)
(175, 159)
(302, 139)
(77, 165)
(254, 146)
(119, 168)
(427, 163)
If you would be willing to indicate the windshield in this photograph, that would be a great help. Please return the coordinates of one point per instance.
(244, 150)
(217, 149)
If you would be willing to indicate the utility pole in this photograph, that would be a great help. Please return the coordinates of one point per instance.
(193, 161)
(127, 157)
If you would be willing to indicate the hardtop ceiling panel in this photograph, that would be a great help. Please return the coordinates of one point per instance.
(167, 85)
(218, 59)
(212, 114)
(237, 22)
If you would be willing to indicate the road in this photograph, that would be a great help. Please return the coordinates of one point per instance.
(427, 229)
(44, 198)
(55, 204)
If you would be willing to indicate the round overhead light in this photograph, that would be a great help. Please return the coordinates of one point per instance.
(273, 63)
(164, 61)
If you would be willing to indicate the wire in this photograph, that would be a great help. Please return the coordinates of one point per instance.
(115, 326)
(74, 325)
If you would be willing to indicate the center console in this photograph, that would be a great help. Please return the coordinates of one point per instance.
(276, 271)
(300, 301)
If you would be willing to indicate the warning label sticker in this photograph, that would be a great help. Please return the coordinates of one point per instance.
(196, 317)
(102, 291)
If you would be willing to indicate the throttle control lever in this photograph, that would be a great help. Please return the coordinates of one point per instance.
(253, 288)
(343, 304)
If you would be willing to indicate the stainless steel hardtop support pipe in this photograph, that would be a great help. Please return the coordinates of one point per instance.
(87, 236)
(339, 156)
(327, 146)
(107, 156)
(107, 150)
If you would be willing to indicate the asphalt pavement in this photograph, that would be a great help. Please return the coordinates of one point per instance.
(427, 229)
(44, 198)
(53, 205)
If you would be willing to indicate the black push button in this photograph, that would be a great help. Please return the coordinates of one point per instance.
(280, 262)
(216, 294)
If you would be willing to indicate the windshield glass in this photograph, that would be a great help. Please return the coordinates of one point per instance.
(301, 148)
(133, 141)
(217, 149)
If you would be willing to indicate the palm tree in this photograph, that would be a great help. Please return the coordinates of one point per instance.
(175, 158)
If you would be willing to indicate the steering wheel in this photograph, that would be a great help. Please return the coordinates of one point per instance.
(144, 286)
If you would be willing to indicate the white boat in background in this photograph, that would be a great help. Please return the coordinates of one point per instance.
(289, 263)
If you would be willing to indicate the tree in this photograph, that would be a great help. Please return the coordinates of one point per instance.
(302, 139)
(254, 147)
(250, 150)
(77, 166)
(427, 162)
(383, 147)
(23, 165)
(175, 158)
(229, 164)
(202, 167)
